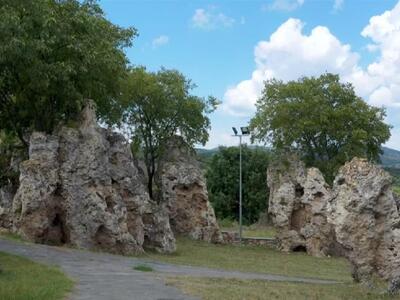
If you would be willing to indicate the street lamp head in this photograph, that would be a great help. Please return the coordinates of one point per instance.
(245, 130)
(234, 130)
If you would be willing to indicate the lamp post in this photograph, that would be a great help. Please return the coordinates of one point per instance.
(244, 131)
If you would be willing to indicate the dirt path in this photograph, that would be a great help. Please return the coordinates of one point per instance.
(101, 276)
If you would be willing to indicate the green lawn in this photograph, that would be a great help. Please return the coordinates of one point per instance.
(255, 259)
(248, 231)
(22, 279)
(233, 289)
(143, 268)
(259, 232)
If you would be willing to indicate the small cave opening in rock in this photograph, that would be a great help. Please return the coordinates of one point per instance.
(57, 233)
(299, 248)
(298, 191)
(102, 237)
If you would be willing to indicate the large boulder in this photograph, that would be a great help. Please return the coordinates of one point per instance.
(184, 192)
(297, 206)
(81, 187)
(366, 221)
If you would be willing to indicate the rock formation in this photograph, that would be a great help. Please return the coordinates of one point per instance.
(81, 187)
(366, 221)
(297, 204)
(6, 199)
(183, 190)
(358, 218)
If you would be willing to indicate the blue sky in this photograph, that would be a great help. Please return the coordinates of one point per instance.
(228, 48)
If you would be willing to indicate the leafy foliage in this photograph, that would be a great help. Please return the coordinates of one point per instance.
(159, 105)
(223, 182)
(53, 55)
(320, 118)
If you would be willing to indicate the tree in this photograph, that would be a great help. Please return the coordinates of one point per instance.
(54, 54)
(320, 118)
(223, 182)
(159, 105)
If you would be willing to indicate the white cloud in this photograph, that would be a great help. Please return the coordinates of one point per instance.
(224, 138)
(283, 5)
(290, 54)
(384, 31)
(210, 18)
(160, 41)
(338, 5)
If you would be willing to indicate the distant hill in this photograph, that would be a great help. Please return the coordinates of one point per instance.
(389, 159)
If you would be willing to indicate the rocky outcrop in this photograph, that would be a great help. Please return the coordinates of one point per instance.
(184, 192)
(358, 218)
(297, 206)
(366, 221)
(81, 187)
(6, 199)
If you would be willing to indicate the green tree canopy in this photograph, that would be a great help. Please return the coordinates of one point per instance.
(223, 182)
(159, 105)
(54, 54)
(320, 118)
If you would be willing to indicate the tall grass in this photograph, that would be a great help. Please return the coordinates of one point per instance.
(22, 279)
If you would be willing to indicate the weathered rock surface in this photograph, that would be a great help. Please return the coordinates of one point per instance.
(6, 199)
(366, 221)
(358, 218)
(183, 190)
(81, 187)
(297, 206)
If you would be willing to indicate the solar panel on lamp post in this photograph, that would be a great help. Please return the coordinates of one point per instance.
(244, 131)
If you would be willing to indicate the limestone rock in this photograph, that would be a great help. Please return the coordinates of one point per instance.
(297, 206)
(81, 187)
(366, 221)
(184, 192)
(158, 235)
(6, 200)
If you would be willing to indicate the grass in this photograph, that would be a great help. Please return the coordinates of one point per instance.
(396, 190)
(22, 279)
(255, 259)
(143, 268)
(259, 232)
(248, 231)
(11, 236)
(234, 289)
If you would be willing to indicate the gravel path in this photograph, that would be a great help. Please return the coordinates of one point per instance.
(101, 276)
